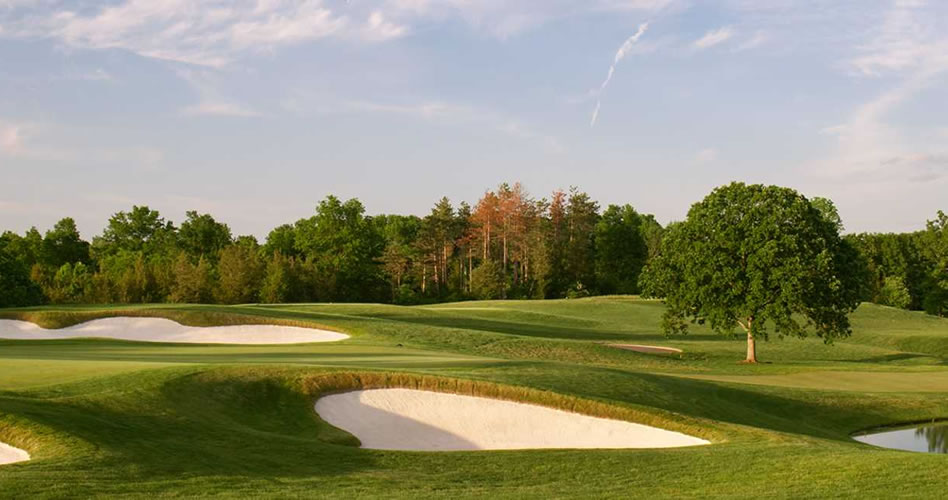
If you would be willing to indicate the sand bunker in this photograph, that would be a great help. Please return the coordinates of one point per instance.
(647, 349)
(407, 419)
(164, 330)
(11, 455)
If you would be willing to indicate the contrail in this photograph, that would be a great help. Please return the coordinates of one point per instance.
(620, 54)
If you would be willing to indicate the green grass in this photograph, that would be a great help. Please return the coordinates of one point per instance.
(122, 419)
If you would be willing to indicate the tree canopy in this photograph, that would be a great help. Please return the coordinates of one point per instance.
(760, 258)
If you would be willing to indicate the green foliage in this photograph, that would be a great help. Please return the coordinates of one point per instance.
(202, 236)
(621, 250)
(652, 233)
(582, 214)
(140, 230)
(63, 245)
(578, 291)
(72, 284)
(239, 274)
(487, 280)
(277, 283)
(282, 239)
(919, 259)
(16, 288)
(894, 293)
(827, 208)
(760, 257)
(193, 282)
(344, 247)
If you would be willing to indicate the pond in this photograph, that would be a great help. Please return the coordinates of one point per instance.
(931, 438)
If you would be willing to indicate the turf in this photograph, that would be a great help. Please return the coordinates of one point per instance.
(122, 419)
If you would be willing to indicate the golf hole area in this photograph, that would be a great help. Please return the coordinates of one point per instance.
(410, 419)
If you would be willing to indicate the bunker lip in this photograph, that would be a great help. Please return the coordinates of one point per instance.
(149, 329)
(12, 455)
(647, 349)
(418, 420)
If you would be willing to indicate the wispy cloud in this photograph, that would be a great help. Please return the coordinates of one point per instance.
(908, 39)
(506, 18)
(714, 37)
(620, 55)
(870, 148)
(200, 32)
(216, 32)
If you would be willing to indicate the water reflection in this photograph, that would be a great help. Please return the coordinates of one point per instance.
(931, 438)
(936, 436)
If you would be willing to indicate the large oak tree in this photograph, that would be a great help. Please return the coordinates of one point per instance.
(759, 258)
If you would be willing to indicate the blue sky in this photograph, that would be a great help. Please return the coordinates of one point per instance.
(253, 110)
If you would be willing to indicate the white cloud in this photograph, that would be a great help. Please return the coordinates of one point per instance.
(868, 147)
(216, 32)
(624, 49)
(506, 18)
(908, 39)
(201, 32)
(378, 28)
(714, 37)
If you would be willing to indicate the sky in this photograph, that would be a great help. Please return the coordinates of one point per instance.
(254, 110)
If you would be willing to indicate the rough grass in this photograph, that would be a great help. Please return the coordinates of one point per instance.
(121, 419)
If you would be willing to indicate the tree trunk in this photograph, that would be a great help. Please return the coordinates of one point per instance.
(751, 349)
(751, 344)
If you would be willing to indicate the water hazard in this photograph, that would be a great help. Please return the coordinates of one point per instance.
(930, 438)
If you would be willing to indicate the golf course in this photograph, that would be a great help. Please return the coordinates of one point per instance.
(104, 417)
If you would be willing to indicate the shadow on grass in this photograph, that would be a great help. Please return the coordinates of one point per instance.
(190, 427)
(806, 413)
(902, 356)
(514, 328)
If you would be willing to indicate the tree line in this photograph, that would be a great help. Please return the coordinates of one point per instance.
(508, 244)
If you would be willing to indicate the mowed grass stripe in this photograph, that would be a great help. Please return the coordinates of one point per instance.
(875, 381)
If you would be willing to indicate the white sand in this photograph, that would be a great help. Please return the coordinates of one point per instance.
(648, 349)
(165, 330)
(407, 419)
(11, 455)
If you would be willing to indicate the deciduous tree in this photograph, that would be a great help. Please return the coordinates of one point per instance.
(760, 258)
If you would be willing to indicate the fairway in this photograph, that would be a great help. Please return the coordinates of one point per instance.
(113, 418)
